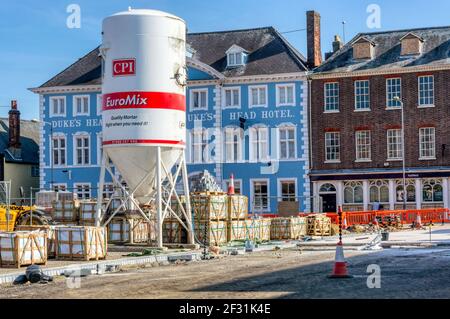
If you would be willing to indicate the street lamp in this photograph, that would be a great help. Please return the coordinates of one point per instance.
(399, 100)
(51, 149)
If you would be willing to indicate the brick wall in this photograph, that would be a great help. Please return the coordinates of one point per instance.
(378, 120)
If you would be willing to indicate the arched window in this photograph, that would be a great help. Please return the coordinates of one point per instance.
(432, 190)
(353, 192)
(410, 191)
(233, 144)
(379, 191)
(327, 188)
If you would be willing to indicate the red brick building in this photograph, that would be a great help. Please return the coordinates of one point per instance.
(356, 128)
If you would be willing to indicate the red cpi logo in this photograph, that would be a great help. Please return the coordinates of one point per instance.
(124, 67)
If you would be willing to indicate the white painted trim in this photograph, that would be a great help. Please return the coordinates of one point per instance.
(98, 104)
(287, 126)
(191, 99)
(418, 92)
(277, 94)
(387, 93)
(325, 98)
(74, 148)
(50, 106)
(250, 97)
(231, 88)
(99, 146)
(252, 192)
(75, 185)
(389, 71)
(58, 134)
(74, 106)
(279, 190)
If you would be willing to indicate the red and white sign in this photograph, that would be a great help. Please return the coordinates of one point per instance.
(144, 100)
(124, 67)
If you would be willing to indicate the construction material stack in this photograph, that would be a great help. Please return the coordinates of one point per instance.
(131, 228)
(210, 211)
(88, 210)
(319, 225)
(23, 248)
(236, 217)
(65, 211)
(49, 231)
(285, 228)
(80, 243)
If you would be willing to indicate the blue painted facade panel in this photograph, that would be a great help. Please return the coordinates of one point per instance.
(245, 171)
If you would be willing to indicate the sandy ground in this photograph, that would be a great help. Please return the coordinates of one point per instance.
(418, 273)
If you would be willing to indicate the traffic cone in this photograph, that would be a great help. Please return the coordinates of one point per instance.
(231, 185)
(340, 265)
(344, 223)
(418, 221)
(375, 221)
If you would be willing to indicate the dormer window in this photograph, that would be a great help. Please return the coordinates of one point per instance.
(190, 51)
(411, 44)
(363, 49)
(236, 56)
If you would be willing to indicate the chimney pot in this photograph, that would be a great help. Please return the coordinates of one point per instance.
(313, 38)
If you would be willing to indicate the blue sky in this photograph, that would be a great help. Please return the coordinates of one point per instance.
(35, 43)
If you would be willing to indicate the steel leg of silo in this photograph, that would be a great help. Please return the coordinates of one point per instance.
(98, 216)
(188, 202)
(159, 197)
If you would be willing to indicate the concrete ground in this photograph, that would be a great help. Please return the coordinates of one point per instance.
(290, 273)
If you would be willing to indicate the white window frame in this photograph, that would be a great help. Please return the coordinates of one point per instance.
(425, 105)
(287, 127)
(285, 87)
(389, 98)
(251, 103)
(99, 104)
(224, 92)
(191, 99)
(357, 145)
(338, 159)
(400, 150)
(360, 109)
(203, 146)
(106, 193)
(99, 148)
(280, 188)
(325, 96)
(51, 113)
(236, 62)
(58, 136)
(432, 143)
(256, 155)
(234, 131)
(89, 149)
(59, 186)
(82, 184)
(252, 195)
(74, 105)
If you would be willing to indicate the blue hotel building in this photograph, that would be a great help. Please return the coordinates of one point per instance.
(247, 115)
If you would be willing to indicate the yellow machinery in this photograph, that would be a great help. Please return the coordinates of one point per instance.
(21, 215)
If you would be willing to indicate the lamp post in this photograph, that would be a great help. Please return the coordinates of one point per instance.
(399, 100)
(51, 150)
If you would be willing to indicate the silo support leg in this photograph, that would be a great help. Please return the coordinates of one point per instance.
(159, 198)
(188, 202)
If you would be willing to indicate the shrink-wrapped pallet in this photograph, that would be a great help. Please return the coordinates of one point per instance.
(23, 248)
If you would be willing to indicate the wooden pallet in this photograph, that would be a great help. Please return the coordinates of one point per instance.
(209, 207)
(237, 207)
(23, 248)
(216, 232)
(283, 228)
(80, 243)
(319, 225)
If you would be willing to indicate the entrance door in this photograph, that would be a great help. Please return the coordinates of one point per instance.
(329, 203)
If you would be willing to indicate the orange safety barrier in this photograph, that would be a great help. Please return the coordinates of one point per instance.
(434, 215)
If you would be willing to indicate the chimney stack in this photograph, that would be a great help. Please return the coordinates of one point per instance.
(313, 39)
(337, 43)
(14, 128)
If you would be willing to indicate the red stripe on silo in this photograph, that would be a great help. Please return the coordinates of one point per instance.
(144, 100)
(143, 141)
